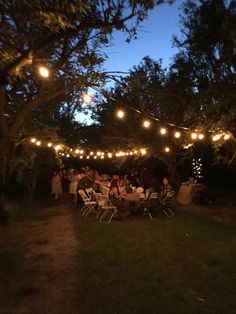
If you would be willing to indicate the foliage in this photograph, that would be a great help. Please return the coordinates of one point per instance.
(197, 92)
(67, 37)
(206, 60)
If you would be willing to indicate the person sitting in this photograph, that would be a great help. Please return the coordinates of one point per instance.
(151, 203)
(115, 195)
(165, 187)
(166, 197)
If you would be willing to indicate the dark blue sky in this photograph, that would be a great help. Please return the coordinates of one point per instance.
(154, 39)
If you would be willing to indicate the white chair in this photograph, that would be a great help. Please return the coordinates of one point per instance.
(139, 189)
(105, 208)
(88, 204)
(90, 192)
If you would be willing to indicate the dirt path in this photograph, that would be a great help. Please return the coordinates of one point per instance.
(40, 276)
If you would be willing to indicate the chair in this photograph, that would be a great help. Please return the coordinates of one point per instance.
(166, 204)
(89, 192)
(88, 204)
(150, 203)
(105, 207)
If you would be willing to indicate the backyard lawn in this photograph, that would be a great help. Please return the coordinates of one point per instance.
(185, 264)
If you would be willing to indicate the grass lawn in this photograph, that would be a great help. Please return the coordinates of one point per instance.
(186, 264)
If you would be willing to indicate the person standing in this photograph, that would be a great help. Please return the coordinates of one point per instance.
(56, 185)
(74, 185)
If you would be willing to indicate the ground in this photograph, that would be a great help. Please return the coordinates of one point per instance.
(45, 277)
(38, 272)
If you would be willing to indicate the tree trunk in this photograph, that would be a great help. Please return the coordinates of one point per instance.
(6, 155)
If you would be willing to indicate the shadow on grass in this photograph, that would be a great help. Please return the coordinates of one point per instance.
(174, 265)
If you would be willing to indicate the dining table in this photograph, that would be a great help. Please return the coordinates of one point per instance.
(187, 190)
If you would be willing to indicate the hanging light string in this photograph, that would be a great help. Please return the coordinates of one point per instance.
(195, 134)
(63, 150)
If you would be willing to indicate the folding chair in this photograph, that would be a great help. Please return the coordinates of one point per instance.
(88, 204)
(105, 208)
(166, 204)
(90, 192)
(147, 204)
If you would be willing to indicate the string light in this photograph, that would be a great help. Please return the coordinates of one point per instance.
(167, 149)
(43, 71)
(226, 137)
(216, 137)
(201, 136)
(120, 114)
(177, 134)
(33, 140)
(143, 151)
(163, 131)
(57, 147)
(197, 168)
(194, 136)
(87, 98)
(38, 143)
(146, 124)
(49, 144)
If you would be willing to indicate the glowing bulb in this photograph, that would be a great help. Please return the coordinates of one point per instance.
(216, 137)
(98, 153)
(49, 144)
(33, 140)
(67, 155)
(38, 143)
(91, 153)
(81, 157)
(143, 151)
(194, 136)
(95, 157)
(146, 124)
(167, 149)
(163, 131)
(87, 98)
(201, 136)
(120, 114)
(81, 151)
(43, 71)
(77, 151)
(109, 155)
(177, 134)
(226, 137)
(57, 147)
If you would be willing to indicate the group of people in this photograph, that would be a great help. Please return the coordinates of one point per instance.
(68, 182)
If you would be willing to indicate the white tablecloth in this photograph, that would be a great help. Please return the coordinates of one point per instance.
(187, 191)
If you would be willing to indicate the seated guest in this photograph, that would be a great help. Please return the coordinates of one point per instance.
(151, 202)
(114, 192)
(115, 196)
(165, 187)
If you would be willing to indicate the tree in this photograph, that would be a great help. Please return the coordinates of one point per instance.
(144, 94)
(65, 35)
(206, 67)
